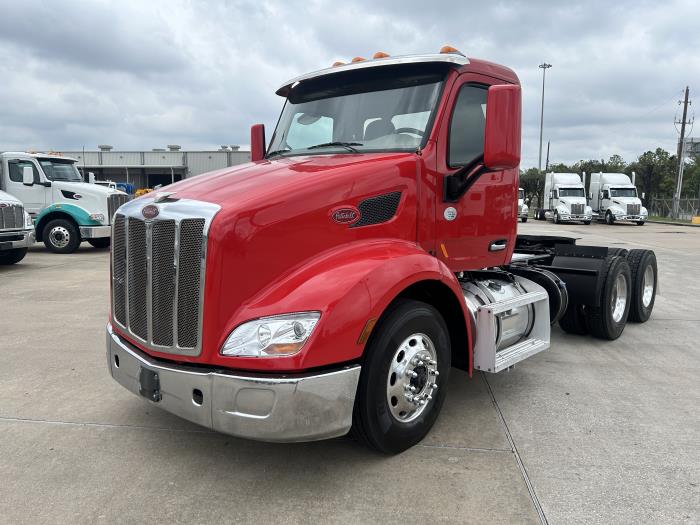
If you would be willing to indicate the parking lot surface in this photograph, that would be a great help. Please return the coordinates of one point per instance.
(587, 432)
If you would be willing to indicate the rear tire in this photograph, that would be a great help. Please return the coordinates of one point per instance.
(574, 320)
(607, 321)
(406, 329)
(645, 278)
(12, 256)
(541, 215)
(101, 242)
(61, 236)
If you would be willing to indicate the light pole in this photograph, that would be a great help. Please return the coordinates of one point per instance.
(544, 67)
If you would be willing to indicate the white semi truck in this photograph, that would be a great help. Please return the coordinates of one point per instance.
(523, 208)
(65, 209)
(16, 230)
(614, 198)
(565, 199)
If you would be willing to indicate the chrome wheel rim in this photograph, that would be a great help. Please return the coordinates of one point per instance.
(413, 377)
(59, 237)
(648, 286)
(618, 300)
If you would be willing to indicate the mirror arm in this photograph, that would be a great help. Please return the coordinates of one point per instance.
(459, 183)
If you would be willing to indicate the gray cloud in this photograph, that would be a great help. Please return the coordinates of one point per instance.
(143, 74)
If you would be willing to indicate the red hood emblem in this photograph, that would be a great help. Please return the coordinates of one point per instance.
(345, 215)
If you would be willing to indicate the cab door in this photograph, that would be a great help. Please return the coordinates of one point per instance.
(33, 197)
(475, 229)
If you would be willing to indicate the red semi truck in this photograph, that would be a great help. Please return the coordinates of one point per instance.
(330, 285)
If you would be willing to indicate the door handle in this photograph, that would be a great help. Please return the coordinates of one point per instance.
(499, 245)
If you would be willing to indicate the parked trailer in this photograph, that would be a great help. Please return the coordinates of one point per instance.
(330, 285)
(565, 199)
(614, 199)
(16, 230)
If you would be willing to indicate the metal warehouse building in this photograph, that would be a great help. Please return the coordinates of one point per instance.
(146, 169)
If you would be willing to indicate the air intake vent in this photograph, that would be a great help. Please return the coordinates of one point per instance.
(376, 210)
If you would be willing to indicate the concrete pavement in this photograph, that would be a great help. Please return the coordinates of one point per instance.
(588, 432)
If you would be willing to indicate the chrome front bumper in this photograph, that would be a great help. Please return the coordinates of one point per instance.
(16, 239)
(95, 232)
(279, 408)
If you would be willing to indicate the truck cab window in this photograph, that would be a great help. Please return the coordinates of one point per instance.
(307, 129)
(17, 166)
(466, 140)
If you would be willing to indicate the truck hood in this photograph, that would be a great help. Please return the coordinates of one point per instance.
(9, 199)
(624, 201)
(272, 181)
(572, 200)
(83, 188)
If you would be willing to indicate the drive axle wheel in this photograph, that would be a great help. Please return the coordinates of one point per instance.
(404, 377)
(644, 283)
(607, 321)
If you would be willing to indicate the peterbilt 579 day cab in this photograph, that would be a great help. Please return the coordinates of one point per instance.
(565, 199)
(614, 198)
(65, 210)
(16, 230)
(523, 208)
(330, 285)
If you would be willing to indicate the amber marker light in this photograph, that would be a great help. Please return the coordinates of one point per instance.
(450, 49)
(380, 54)
(358, 59)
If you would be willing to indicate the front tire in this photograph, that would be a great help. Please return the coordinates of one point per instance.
(61, 236)
(100, 242)
(586, 222)
(12, 256)
(640, 223)
(645, 277)
(607, 321)
(524, 219)
(396, 403)
(557, 220)
(609, 219)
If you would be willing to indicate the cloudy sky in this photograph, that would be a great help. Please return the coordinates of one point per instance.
(138, 74)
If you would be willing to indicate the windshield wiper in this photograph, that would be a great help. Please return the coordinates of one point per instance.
(277, 152)
(347, 145)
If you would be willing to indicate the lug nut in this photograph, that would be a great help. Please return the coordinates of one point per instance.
(413, 374)
(434, 386)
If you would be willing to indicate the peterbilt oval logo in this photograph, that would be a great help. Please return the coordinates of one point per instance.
(150, 211)
(345, 215)
(3, 205)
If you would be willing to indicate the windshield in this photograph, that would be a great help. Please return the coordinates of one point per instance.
(64, 170)
(623, 192)
(521, 194)
(571, 192)
(384, 113)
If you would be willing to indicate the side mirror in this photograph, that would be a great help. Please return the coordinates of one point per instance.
(27, 175)
(502, 131)
(257, 142)
(91, 177)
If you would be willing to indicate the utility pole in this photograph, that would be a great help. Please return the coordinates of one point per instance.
(681, 154)
(546, 162)
(544, 67)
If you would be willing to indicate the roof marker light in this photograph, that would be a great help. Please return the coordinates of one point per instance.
(336, 64)
(450, 49)
(358, 59)
(380, 54)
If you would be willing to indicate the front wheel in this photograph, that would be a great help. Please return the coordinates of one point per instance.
(586, 222)
(557, 220)
(61, 236)
(404, 378)
(524, 219)
(640, 223)
(12, 256)
(100, 242)
(609, 219)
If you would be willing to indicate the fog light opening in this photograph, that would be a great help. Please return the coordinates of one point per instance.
(197, 397)
(116, 360)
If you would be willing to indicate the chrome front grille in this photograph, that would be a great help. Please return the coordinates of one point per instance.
(577, 209)
(12, 217)
(113, 203)
(633, 209)
(158, 269)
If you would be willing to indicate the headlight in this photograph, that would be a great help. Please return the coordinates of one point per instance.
(99, 217)
(279, 335)
(525, 208)
(644, 211)
(28, 222)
